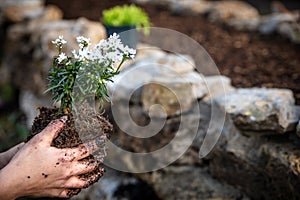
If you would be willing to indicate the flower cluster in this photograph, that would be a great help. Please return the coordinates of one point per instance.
(86, 72)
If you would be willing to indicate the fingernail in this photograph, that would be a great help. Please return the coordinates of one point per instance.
(63, 119)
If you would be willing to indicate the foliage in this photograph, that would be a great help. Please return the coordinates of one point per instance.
(126, 15)
(12, 129)
(85, 74)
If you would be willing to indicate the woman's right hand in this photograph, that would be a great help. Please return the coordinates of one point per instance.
(40, 170)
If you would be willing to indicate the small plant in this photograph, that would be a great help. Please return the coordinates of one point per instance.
(125, 16)
(85, 74)
(74, 80)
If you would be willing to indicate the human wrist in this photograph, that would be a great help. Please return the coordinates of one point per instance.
(9, 189)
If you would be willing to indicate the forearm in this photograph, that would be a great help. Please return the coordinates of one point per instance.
(6, 156)
(9, 189)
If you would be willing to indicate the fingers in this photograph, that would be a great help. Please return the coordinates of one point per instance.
(53, 128)
(67, 193)
(83, 167)
(86, 149)
(84, 182)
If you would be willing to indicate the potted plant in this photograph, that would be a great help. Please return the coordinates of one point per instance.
(124, 20)
(75, 81)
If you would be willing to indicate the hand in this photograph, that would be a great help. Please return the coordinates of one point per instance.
(40, 170)
(6, 156)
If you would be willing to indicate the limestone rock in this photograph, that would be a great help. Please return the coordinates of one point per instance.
(145, 51)
(29, 104)
(175, 94)
(188, 182)
(260, 109)
(217, 86)
(179, 63)
(129, 83)
(190, 7)
(270, 23)
(116, 185)
(51, 13)
(290, 30)
(261, 161)
(282, 21)
(298, 129)
(235, 13)
(16, 10)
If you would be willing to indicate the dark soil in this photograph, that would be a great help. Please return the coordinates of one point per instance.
(248, 58)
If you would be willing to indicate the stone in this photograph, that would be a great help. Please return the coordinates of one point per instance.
(129, 83)
(298, 129)
(290, 30)
(16, 11)
(29, 104)
(217, 86)
(189, 182)
(270, 23)
(190, 7)
(268, 111)
(51, 13)
(235, 13)
(173, 94)
(256, 164)
(282, 21)
(116, 185)
(179, 63)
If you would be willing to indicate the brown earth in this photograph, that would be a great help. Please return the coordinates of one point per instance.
(248, 58)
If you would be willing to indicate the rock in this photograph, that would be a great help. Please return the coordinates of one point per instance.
(298, 129)
(290, 30)
(17, 10)
(29, 104)
(174, 94)
(145, 51)
(146, 69)
(259, 109)
(270, 23)
(116, 185)
(190, 7)
(235, 13)
(261, 161)
(188, 182)
(282, 21)
(217, 86)
(179, 63)
(51, 13)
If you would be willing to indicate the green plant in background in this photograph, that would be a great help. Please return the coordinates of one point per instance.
(126, 15)
(85, 74)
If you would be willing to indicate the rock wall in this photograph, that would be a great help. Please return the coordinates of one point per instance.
(257, 152)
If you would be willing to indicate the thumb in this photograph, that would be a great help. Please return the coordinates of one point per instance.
(53, 128)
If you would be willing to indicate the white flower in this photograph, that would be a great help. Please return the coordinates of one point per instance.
(59, 41)
(61, 57)
(114, 41)
(104, 53)
(83, 42)
(129, 52)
